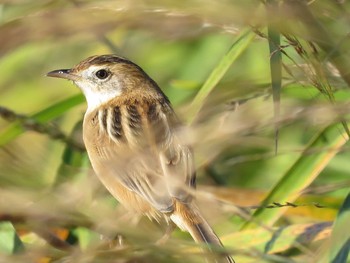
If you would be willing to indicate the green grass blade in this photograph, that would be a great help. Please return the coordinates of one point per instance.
(338, 245)
(308, 166)
(274, 37)
(340, 238)
(43, 116)
(277, 240)
(241, 43)
(10, 243)
(73, 160)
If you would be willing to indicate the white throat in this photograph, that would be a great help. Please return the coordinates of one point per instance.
(95, 100)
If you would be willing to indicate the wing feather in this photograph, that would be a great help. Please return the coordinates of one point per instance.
(159, 171)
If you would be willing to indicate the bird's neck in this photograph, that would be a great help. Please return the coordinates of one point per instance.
(94, 101)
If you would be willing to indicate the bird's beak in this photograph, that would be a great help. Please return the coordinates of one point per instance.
(63, 74)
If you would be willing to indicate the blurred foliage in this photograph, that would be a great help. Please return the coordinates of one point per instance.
(263, 87)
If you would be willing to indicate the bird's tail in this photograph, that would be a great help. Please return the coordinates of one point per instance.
(188, 218)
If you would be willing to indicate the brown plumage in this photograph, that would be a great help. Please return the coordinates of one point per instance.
(130, 133)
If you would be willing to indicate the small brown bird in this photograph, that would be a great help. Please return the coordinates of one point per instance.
(130, 133)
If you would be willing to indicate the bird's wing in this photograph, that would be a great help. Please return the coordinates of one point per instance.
(159, 170)
(176, 158)
(178, 169)
(138, 171)
(160, 179)
(165, 170)
(143, 176)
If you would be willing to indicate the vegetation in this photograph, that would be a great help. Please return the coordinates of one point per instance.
(262, 86)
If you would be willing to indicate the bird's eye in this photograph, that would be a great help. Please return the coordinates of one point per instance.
(102, 74)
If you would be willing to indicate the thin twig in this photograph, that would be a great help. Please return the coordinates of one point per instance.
(31, 124)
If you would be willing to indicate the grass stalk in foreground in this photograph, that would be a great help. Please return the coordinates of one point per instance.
(301, 174)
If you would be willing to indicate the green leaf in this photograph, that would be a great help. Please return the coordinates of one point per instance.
(241, 43)
(275, 63)
(301, 174)
(73, 160)
(43, 116)
(268, 241)
(85, 236)
(340, 238)
(10, 243)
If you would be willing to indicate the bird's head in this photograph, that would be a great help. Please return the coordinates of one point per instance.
(103, 78)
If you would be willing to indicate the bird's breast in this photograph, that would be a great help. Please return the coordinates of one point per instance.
(134, 125)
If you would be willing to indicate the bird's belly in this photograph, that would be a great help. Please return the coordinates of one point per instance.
(129, 199)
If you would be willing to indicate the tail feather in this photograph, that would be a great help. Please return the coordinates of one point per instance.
(189, 219)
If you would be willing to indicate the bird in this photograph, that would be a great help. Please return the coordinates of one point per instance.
(131, 134)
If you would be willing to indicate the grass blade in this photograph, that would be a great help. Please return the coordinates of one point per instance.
(275, 64)
(308, 166)
(43, 116)
(340, 241)
(237, 48)
(10, 243)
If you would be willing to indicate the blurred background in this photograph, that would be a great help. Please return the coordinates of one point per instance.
(262, 88)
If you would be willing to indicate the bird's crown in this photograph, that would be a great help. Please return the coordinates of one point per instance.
(103, 78)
